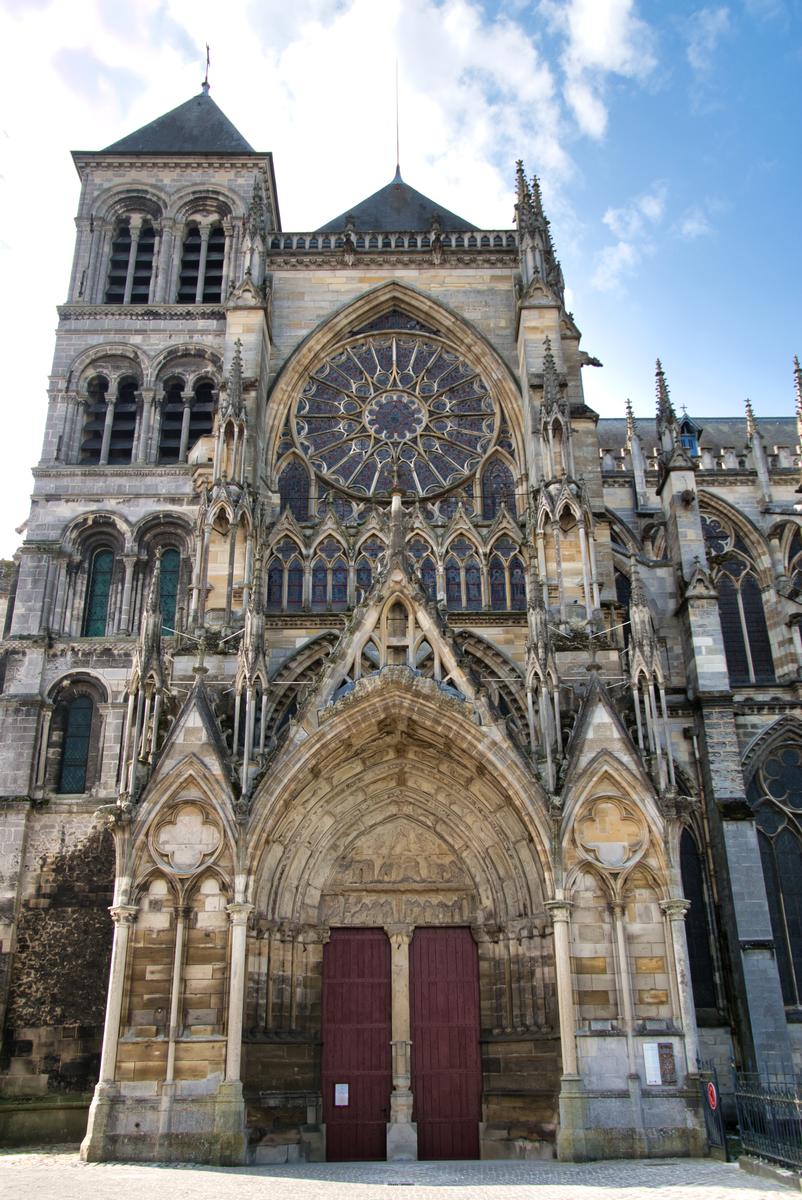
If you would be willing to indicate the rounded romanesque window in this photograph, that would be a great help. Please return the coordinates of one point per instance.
(395, 403)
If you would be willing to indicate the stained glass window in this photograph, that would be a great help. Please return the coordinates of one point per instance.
(392, 403)
(293, 487)
(295, 585)
(168, 583)
(747, 645)
(517, 583)
(775, 795)
(75, 749)
(97, 593)
(497, 489)
(498, 583)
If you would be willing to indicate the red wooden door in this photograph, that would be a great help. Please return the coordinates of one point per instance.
(446, 1063)
(356, 1043)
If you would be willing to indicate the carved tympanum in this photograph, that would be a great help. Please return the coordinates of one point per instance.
(187, 838)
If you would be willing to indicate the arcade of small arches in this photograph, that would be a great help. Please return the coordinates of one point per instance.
(144, 249)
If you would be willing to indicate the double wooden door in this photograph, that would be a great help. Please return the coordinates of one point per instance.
(357, 1032)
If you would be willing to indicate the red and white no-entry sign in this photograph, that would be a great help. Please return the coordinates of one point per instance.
(712, 1096)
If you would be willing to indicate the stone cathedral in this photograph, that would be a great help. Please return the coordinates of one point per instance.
(434, 746)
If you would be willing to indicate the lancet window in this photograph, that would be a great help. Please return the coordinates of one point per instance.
(293, 488)
(507, 577)
(463, 576)
(98, 593)
(498, 488)
(367, 563)
(743, 620)
(202, 260)
(775, 795)
(168, 590)
(285, 578)
(697, 922)
(422, 554)
(131, 263)
(329, 576)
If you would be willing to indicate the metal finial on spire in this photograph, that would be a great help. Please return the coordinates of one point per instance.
(205, 84)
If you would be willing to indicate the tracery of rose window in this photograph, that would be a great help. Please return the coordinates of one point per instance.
(395, 402)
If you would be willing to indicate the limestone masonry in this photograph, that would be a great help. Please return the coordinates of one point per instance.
(435, 746)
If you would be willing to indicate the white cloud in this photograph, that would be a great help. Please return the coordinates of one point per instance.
(633, 225)
(705, 29)
(695, 224)
(602, 38)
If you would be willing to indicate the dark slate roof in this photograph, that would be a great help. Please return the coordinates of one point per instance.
(395, 208)
(717, 433)
(196, 127)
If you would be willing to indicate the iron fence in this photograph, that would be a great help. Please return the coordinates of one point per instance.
(770, 1117)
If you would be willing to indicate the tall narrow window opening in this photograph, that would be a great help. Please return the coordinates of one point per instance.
(75, 748)
(170, 568)
(98, 593)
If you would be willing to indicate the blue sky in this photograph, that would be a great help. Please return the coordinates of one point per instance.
(666, 137)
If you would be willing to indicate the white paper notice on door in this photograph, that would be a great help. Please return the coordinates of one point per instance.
(341, 1095)
(651, 1061)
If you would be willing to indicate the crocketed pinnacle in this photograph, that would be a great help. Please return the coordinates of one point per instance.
(234, 394)
(751, 426)
(551, 389)
(798, 391)
(523, 195)
(632, 429)
(665, 409)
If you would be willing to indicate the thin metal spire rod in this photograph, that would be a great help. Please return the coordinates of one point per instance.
(397, 127)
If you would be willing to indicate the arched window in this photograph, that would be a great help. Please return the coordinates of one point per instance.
(95, 420)
(172, 415)
(293, 489)
(170, 568)
(497, 488)
(129, 281)
(201, 277)
(740, 601)
(329, 576)
(473, 584)
(98, 591)
(623, 595)
(123, 425)
(507, 577)
(453, 583)
(775, 795)
(795, 562)
(697, 925)
(285, 578)
(201, 414)
(77, 732)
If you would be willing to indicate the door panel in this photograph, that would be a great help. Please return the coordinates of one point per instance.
(446, 1061)
(356, 1043)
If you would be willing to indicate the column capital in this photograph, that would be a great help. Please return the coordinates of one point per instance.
(238, 913)
(675, 909)
(124, 914)
(399, 934)
(560, 909)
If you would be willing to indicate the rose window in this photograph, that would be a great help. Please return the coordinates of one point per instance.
(395, 402)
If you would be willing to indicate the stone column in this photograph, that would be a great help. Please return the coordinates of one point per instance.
(402, 1134)
(560, 911)
(104, 446)
(129, 561)
(204, 248)
(181, 914)
(123, 916)
(238, 915)
(624, 981)
(186, 399)
(675, 911)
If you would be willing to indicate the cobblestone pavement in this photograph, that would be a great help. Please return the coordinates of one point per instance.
(58, 1175)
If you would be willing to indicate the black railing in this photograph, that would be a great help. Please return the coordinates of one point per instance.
(770, 1117)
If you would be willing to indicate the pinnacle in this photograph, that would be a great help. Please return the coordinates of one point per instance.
(798, 387)
(631, 426)
(665, 409)
(750, 418)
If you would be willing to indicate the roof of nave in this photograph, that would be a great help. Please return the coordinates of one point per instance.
(197, 126)
(717, 433)
(395, 208)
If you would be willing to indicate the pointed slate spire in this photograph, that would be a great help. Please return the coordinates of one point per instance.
(197, 126)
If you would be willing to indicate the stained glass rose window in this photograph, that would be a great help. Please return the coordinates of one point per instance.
(395, 397)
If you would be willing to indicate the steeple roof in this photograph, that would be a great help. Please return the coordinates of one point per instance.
(397, 206)
(197, 126)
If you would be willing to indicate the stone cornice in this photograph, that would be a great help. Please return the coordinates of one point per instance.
(141, 312)
(289, 260)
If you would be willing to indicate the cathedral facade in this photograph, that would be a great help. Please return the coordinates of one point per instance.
(434, 745)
